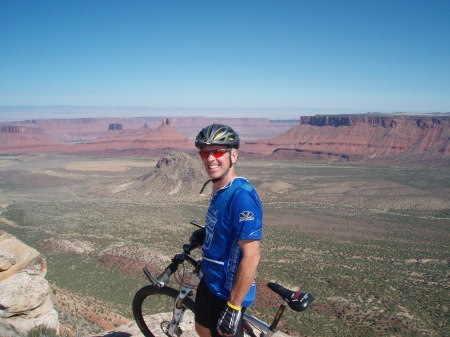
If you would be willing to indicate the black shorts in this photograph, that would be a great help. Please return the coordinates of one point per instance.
(208, 308)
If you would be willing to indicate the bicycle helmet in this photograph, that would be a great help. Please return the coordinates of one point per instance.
(217, 134)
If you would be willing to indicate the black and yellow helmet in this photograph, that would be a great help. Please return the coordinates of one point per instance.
(217, 134)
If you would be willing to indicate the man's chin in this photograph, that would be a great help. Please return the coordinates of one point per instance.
(214, 175)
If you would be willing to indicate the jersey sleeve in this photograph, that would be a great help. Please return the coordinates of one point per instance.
(247, 215)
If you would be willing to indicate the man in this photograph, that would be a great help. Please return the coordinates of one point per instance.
(230, 253)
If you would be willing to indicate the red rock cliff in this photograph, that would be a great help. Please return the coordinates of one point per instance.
(19, 138)
(92, 128)
(364, 136)
(18, 129)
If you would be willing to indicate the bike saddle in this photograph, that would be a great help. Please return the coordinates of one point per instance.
(297, 301)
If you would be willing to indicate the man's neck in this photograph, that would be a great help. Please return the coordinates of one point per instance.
(221, 183)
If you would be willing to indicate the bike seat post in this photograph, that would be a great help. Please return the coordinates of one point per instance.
(277, 317)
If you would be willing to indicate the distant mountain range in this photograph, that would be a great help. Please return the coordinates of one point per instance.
(354, 138)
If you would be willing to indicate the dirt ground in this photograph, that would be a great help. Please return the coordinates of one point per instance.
(112, 165)
(368, 241)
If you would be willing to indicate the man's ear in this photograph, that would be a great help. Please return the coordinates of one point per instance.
(234, 155)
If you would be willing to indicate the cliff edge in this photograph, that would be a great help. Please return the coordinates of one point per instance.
(359, 137)
(25, 297)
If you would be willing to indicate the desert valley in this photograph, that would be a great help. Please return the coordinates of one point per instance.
(356, 211)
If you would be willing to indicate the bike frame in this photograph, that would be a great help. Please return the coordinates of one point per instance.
(263, 327)
(187, 290)
(179, 310)
(265, 330)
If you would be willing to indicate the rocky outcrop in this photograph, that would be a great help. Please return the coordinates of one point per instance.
(175, 174)
(19, 138)
(124, 136)
(375, 120)
(72, 246)
(360, 137)
(18, 129)
(326, 120)
(115, 126)
(91, 128)
(137, 141)
(25, 297)
(165, 136)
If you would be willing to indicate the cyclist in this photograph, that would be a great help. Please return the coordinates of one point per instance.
(230, 252)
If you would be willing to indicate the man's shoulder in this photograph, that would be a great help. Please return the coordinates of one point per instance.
(249, 187)
(245, 191)
(242, 183)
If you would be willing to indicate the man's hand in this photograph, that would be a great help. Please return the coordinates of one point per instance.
(197, 238)
(228, 320)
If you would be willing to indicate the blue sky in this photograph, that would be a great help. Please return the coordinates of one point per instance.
(283, 57)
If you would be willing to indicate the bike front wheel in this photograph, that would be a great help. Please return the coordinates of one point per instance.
(153, 311)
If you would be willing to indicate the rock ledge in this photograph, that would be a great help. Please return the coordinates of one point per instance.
(25, 296)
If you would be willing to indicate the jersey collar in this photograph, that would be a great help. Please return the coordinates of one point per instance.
(227, 186)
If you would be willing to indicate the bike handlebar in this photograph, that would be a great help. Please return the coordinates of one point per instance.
(195, 223)
(165, 276)
(178, 259)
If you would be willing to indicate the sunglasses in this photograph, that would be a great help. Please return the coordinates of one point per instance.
(215, 153)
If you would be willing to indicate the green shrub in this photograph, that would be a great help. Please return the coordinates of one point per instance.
(42, 331)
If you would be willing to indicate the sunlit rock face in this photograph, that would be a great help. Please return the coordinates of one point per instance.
(360, 137)
(25, 296)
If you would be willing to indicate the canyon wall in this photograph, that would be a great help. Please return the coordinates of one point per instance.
(376, 120)
(123, 136)
(15, 138)
(62, 130)
(359, 137)
(143, 141)
(324, 137)
(19, 129)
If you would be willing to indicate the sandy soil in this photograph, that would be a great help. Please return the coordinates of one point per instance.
(93, 312)
(113, 165)
(352, 232)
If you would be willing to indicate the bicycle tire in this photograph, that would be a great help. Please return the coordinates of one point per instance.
(152, 309)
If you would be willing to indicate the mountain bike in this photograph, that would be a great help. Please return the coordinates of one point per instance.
(160, 310)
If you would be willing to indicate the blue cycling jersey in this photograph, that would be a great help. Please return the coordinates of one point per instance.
(234, 214)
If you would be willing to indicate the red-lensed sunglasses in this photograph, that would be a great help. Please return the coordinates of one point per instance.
(215, 153)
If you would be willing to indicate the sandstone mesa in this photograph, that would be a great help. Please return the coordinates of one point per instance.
(355, 138)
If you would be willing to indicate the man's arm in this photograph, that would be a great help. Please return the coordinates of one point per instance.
(246, 271)
(229, 318)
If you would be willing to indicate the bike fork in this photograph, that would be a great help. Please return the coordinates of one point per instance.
(179, 311)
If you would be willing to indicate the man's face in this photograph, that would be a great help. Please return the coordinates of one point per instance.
(216, 164)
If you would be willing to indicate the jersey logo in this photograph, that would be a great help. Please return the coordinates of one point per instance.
(246, 216)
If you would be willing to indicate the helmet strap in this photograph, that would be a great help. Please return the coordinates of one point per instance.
(204, 185)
